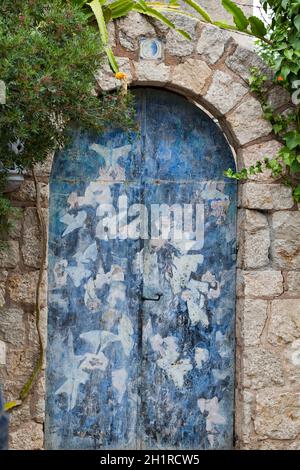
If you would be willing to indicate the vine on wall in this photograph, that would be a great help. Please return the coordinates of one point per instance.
(280, 49)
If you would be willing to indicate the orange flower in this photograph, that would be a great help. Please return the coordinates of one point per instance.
(280, 78)
(121, 76)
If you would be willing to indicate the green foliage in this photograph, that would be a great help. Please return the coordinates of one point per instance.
(280, 48)
(49, 55)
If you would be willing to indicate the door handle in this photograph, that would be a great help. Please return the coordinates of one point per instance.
(155, 299)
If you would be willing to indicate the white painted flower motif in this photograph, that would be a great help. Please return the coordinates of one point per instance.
(119, 379)
(73, 222)
(201, 356)
(170, 362)
(214, 417)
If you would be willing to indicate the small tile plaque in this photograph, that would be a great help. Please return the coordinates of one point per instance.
(150, 49)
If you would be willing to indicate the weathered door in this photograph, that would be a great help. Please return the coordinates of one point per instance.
(142, 285)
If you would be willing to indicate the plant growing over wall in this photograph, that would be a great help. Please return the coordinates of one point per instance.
(49, 55)
(280, 49)
(104, 11)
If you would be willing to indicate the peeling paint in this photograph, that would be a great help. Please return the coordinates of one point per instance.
(124, 371)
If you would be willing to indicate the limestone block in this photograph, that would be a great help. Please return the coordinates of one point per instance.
(38, 401)
(262, 368)
(15, 221)
(131, 27)
(292, 280)
(254, 249)
(285, 249)
(247, 412)
(277, 414)
(285, 254)
(12, 326)
(22, 288)
(263, 196)
(176, 44)
(105, 78)
(191, 75)
(251, 221)
(253, 316)
(20, 414)
(224, 93)
(31, 247)
(152, 72)
(2, 294)
(212, 43)
(30, 436)
(292, 361)
(2, 353)
(278, 97)
(247, 122)
(286, 225)
(284, 325)
(9, 256)
(26, 193)
(3, 278)
(111, 33)
(265, 284)
(243, 59)
(257, 152)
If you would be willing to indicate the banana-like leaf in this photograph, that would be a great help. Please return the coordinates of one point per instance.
(120, 8)
(223, 25)
(112, 60)
(155, 14)
(257, 27)
(199, 9)
(171, 9)
(238, 15)
(159, 16)
(98, 12)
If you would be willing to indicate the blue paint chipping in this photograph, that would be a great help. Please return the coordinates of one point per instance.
(141, 330)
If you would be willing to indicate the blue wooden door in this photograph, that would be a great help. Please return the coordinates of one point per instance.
(142, 285)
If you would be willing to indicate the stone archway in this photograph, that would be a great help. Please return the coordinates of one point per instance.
(211, 70)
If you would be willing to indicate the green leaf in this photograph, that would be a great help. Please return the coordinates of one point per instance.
(257, 27)
(98, 12)
(288, 53)
(297, 22)
(199, 9)
(184, 34)
(120, 8)
(223, 25)
(159, 16)
(238, 15)
(285, 71)
(296, 193)
(292, 139)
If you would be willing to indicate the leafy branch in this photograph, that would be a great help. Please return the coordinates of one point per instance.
(282, 53)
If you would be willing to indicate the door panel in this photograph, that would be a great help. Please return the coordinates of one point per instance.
(141, 319)
(94, 299)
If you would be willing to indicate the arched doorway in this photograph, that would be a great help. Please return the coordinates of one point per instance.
(142, 285)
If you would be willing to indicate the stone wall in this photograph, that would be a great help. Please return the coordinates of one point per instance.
(218, 13)
(212, 70)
